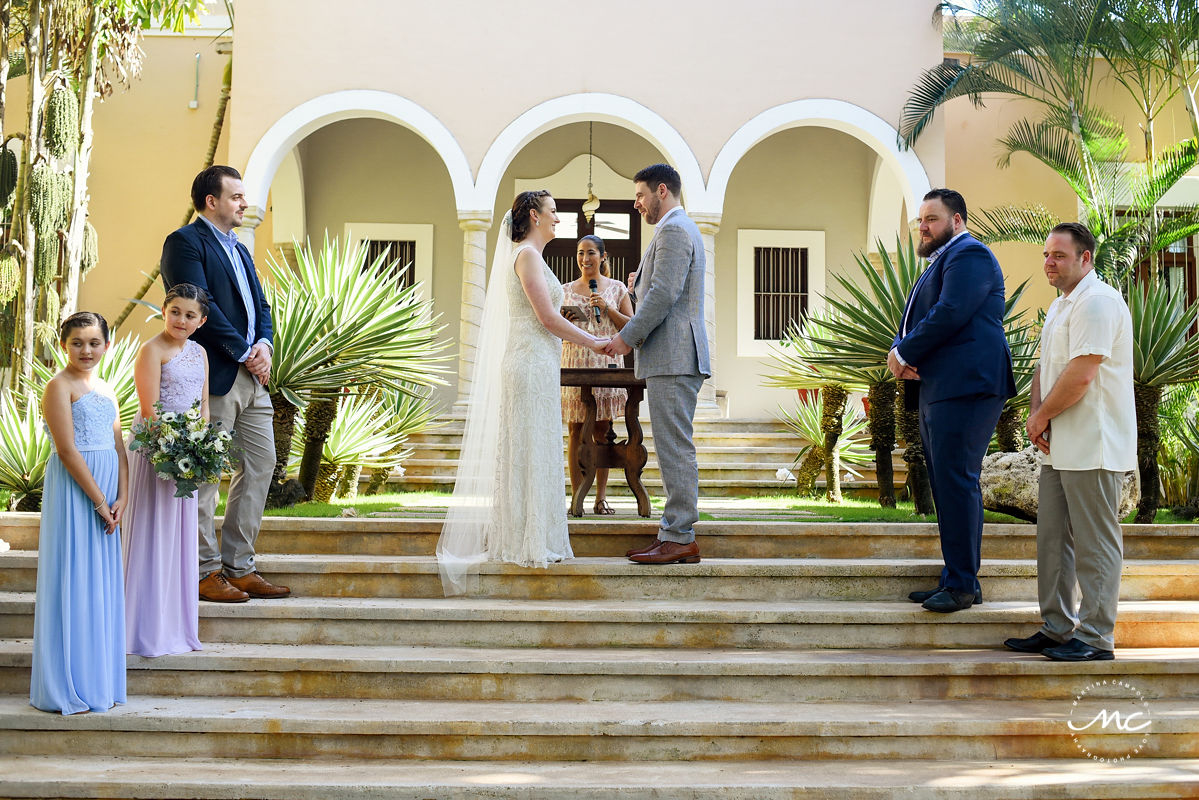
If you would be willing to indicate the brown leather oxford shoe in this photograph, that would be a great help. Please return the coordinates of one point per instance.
(669, 553)
(257, 586)
(215, 588)
(638, 550)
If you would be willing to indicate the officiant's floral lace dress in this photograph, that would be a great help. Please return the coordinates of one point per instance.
(529, 525)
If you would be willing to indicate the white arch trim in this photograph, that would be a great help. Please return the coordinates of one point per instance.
(839, 115)
(587, 107)
(292, 127)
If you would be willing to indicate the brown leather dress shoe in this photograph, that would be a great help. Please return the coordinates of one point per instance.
(669, 553)
(638, 550)
(215, 588)
(257, 586)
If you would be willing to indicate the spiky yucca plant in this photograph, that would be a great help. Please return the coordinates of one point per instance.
(807, 421)
(24, 451)
(392, 333)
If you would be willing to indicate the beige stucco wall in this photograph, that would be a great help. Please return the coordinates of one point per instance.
(149, 146)
(706, 66)
(801, 179)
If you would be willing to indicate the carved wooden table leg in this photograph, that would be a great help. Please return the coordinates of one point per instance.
(587, 453)
(635, 454)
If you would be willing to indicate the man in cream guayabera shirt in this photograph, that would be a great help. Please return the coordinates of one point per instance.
(1083, 419)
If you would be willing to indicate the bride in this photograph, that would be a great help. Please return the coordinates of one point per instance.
(509, 495)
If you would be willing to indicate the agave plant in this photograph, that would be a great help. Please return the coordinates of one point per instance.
(386, 338)
(362, 434)
(852, 341)
(116, 369)
(1165, 352)
(24, 451)
(807, 421)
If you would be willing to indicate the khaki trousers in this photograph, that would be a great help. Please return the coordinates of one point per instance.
(1080, 552)
(246, 410)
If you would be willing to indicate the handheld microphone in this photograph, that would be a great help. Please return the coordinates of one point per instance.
(593, 286)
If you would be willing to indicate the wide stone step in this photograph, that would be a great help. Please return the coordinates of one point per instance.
(226, 727)
(612, 536)
(557, 674)
(617, 578)
(488, 622)
(73, 776)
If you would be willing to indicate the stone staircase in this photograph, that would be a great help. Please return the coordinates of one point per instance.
(785, 665)
(737, 457)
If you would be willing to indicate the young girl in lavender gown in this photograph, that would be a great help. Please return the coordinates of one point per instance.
(161, 579)
(79, 613)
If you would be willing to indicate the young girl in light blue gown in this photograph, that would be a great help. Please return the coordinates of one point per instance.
(79, 614)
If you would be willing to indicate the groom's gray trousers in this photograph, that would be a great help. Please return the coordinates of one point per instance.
(672, 401)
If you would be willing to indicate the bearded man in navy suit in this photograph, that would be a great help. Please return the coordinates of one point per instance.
(952, 351)
(237, 338)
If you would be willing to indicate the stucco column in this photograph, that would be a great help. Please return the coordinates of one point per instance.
(474, 225)
(708, 225)
(249, 221)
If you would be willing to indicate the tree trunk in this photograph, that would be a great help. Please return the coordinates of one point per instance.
(83, 157)
(31, 151)
(919, 488)
(1148, 399)
(30, 502)
(882, 439)
(347, 481)
(318, 421)
(832, 425)
(218, 126)
(284, 423)
(809, 468)
(1008, 432)
(326, 482)
(377, 481)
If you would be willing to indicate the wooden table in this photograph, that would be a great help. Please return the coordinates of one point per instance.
(630, 454)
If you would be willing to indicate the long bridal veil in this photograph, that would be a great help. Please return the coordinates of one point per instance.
(462, 546)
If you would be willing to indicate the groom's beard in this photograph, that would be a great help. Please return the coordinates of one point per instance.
(926, 249)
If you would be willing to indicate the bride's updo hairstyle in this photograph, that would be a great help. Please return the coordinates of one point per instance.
(521, 206)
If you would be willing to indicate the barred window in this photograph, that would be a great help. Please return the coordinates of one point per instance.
(780, 290)
(400, 253)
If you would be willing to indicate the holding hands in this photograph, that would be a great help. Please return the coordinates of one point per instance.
(599, 346)
(617, 347)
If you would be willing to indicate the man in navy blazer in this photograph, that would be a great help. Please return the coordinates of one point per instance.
(952, 350)
(237, 338)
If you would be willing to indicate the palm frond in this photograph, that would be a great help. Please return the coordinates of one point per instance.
(1013, 224)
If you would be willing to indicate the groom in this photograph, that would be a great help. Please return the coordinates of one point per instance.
(672, 355)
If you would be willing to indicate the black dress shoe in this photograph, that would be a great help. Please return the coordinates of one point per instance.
(1078, 650)
(921, 596)
(1033, 644)
(948, 600)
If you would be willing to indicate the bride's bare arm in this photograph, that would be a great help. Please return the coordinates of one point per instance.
(532, 279)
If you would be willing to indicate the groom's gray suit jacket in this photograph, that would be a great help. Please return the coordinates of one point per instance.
(668, 328)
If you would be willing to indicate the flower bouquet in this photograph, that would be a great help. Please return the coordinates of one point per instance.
(184, 447)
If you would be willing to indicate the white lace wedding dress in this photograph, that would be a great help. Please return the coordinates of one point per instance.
(529, 522)
(509, 500)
